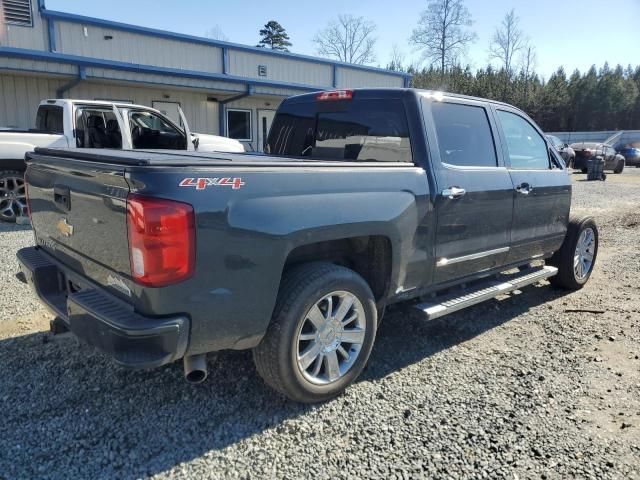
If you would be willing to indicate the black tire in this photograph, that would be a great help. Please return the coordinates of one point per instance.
(276, 357)
(584, 170)
(563, 259)
(619, 168)
(13, 207)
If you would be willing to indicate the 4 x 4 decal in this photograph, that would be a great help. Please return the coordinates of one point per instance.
(202, 183)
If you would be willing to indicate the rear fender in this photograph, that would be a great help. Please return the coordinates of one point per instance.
(314, 218)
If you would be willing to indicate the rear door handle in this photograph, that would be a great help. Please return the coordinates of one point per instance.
(524, 188)
(453, 192)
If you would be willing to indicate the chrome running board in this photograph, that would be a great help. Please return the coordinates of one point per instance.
(483, 291)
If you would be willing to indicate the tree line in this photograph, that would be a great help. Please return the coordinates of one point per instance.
(602, 98)
(599, 99)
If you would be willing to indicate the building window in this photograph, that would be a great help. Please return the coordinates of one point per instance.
(239, 124)
(17, 12)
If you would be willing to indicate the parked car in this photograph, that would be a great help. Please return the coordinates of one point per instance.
(367, 198)
(631, 153)
(567, 153)
(586, 150)
(628, 145)
(92, 124)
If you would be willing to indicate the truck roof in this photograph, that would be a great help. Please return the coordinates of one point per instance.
(104, 103)
(399, 92)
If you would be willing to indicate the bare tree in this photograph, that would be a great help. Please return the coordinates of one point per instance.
(443, 32)
(529, 60)
(216, 33)
(349, 39)
(397, 59)
(508, 40)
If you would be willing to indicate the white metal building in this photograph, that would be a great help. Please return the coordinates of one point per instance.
(223, 88)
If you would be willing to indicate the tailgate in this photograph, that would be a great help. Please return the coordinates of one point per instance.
(78, 212)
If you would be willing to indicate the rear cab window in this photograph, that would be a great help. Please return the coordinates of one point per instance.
(346, 129)
(49, 119)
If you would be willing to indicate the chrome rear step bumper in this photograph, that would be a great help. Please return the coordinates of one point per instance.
(479, 293)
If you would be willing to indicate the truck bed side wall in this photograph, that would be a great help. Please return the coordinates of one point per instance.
(245, 235)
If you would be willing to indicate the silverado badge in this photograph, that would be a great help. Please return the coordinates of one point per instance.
(64, 228)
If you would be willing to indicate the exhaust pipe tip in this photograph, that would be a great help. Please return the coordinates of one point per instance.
(195, 368)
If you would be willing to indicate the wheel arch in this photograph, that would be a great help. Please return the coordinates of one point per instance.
(371, 256)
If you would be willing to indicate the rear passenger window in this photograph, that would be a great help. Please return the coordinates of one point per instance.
(464, 135)
(97, 127)
(527, 148)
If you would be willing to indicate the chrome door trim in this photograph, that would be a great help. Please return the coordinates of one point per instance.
(474, 256)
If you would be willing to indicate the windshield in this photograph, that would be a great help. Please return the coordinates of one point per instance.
(555, 141)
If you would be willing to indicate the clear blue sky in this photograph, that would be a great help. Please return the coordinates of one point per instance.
(571, 33)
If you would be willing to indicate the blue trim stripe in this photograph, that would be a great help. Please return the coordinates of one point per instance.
(134, 67)
(70, 17)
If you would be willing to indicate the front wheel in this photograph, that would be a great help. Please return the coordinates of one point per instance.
(577, 256)
(321, 333)
(619, 168)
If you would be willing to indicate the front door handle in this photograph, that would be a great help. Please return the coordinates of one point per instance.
(453, 192)
(524, 188)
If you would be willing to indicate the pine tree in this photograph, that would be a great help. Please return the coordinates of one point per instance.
(554, 101)
(275, 37)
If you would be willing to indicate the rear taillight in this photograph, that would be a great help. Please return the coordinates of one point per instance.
(335, 95)
(162, 240)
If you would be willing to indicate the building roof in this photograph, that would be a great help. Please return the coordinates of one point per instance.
(56, 15)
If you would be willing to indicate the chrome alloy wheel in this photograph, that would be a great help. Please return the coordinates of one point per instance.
(585, 251)
(13, 200)
(330, 337)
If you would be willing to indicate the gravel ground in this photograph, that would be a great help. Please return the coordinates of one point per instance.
(519, 387)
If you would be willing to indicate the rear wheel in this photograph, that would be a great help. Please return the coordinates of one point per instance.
(577, 256)
(584, 170)
(321, 333)
(13, 199)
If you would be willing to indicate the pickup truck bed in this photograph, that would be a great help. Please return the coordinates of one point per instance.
(369, 197)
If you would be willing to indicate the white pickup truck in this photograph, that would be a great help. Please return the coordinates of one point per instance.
(93, 124)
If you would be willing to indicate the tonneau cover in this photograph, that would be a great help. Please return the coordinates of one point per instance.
(196, 159)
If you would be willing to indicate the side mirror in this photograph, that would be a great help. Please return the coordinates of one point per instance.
(196, 142)
(566, 145)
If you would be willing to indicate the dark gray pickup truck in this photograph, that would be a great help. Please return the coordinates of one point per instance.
(366, 198)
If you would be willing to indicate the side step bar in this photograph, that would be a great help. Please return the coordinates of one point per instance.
(478, 293)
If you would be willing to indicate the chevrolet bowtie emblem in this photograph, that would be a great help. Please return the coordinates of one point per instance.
(64, 228)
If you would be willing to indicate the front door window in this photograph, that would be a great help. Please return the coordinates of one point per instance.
(150, 131)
